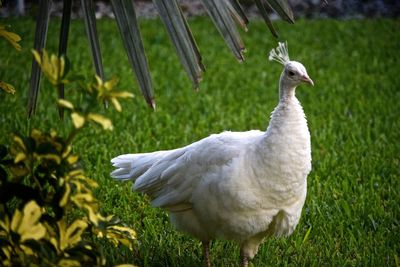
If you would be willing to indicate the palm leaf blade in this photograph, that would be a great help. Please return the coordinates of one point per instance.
(127, 23)
(219, 13)
(194, 46)
(263, 8)
(42, 23)
(62, 48)
(283, 9)
(237, 12)
(91, 31)
(182, 38)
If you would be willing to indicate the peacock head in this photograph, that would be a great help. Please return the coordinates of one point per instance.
(294, 72)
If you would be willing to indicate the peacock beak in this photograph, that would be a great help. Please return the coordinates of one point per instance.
(307, 79)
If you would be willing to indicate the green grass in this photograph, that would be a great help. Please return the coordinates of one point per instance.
(351, 215)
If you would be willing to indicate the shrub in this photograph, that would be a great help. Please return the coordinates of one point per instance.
(49, 215)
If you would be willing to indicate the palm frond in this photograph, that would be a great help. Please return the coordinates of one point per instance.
(182, 38)
(223, 13)
(264, 7)
(283, 9)
(91, 32)
(238, 14)
(125, 15)
(219, 12)
(42, 23)
(62, 48)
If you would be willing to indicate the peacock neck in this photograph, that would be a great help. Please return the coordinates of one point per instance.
(288, 111)
(287, 138)
(286, 90)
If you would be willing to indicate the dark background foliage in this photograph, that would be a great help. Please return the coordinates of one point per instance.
(301, 8)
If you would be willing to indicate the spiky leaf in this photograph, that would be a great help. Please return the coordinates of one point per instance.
(283, 9)
(219, 13)
(42, 23)
(238, 14)
(182, 38)
(264, 7)
(62, 48)
(125, 15)
(91, 32)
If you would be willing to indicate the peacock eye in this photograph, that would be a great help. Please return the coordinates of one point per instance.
(291, 73)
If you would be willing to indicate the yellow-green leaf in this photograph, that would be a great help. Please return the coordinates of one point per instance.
(46, 66)
(78, 173)
(72, 159)
(99, 80)
(103, 121)
(7, 252)
(53, 157)
(15, 221)
(110, 84)
(5, 224)
(69, 236)
(65, 104)
(100, 234)
(27, 224)
(116, 104)
(53, 67)
(53, 133)
(81, 199)
(94, 216)
(19, 170)
(117, 238)
(126, 230)
(27, 250)
(85, 179)
(77, 120)
(37, 57)
(19, 157)
(8, 88)
(19, 142)
(123, 94)
(54, 242)
(66, 151)
(37, 135)
(68, 263)
(13, 38)
(64, 199)
(74, 232)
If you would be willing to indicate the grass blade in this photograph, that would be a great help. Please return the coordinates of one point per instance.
(62, 48)
(283, 9)
(219, 12)
(42, 23)
(306, 235)
(264, 7)
(182, 38)
(238, 14)
(128, 26)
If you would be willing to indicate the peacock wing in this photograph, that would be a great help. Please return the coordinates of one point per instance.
(171, 180)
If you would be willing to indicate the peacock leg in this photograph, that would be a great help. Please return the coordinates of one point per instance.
(244, 260)
(206, 253)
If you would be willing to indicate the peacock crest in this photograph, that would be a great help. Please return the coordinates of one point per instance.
(280, 54)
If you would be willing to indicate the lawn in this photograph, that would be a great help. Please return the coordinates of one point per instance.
(351, 215)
